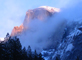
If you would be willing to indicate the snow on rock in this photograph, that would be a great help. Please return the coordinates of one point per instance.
(47, 54)
(74, 33)
(49, 51)
(1, 39)
(66, 46)
(50, 9)
(69, 47)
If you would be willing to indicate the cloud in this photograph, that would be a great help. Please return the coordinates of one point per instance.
(40, 34)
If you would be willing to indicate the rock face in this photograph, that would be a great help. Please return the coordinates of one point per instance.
(70, 46)
(40, 27)
(17, 30)
(40, 13)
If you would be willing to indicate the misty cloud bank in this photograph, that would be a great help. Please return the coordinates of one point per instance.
(41, 34)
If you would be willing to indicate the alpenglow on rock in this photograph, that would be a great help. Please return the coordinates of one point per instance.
(40, 29)
(39, 13)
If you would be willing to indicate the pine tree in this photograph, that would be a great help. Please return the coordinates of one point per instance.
(17, 49)
(2, 51)
(10, 48)
(24, 54)
(29, 53)
(57, 58)
(77, 58)
(7, 35)
(35, 55)
(40, 57)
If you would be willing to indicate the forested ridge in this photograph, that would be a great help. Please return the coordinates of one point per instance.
(13, 50)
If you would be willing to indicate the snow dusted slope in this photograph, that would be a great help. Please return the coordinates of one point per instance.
(69, 48)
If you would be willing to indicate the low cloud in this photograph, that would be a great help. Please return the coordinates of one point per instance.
(42, 34)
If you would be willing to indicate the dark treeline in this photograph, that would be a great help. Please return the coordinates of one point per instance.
(12, 50)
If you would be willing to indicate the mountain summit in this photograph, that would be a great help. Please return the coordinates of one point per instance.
(51, 32)
(40, 13)
(40, 26)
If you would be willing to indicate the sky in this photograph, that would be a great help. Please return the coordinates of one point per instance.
(12, 12)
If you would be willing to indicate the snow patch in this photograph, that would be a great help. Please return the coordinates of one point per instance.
(50, 9)
(69, 47)
(1, 39)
